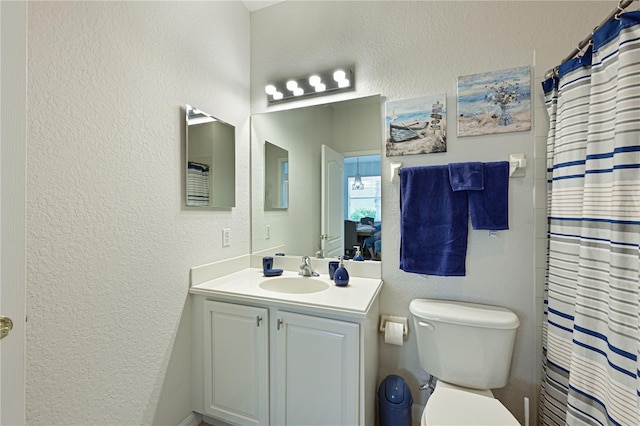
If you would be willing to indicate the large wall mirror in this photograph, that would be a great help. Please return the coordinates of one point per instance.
(328, 149)
(211, 159)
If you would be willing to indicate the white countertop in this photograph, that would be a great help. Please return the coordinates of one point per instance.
(352, 300)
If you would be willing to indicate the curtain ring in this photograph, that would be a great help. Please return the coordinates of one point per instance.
(620, 10)
(552, 73)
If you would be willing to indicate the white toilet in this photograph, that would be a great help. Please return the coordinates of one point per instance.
(467, 347)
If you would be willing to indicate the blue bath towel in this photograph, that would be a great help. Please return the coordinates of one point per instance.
(466, 176)
(433, 222)
(489, 209)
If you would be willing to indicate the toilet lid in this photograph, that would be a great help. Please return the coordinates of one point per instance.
(449, 405)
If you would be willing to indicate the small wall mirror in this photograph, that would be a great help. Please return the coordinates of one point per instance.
(276, 177)
(211, 159)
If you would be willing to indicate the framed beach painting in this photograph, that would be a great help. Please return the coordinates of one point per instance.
(494, 102)
(416, 126)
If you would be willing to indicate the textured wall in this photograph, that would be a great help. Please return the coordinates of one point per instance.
(408, 49)
(109, 245)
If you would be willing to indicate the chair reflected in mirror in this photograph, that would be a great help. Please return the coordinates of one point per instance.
(367, 221)
(350, 238)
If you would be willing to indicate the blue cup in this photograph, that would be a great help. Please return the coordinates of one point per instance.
(267, 263)
(333, 265)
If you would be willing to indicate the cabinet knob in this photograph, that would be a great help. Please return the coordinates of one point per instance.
(258, 320)
(280, 323)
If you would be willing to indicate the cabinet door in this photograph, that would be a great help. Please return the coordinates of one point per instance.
(316, 371)
(236, 363)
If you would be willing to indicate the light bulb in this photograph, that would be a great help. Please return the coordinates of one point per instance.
(339, 75)
(270, 89)
(314, 80)
(298, 91)
(277, 96)
(321, 87)
(343, 83)
(292, 85)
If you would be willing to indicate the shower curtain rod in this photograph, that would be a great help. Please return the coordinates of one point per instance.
(622, 5)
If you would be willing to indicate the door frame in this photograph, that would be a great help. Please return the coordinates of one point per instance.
(332, 202)
(13, 131)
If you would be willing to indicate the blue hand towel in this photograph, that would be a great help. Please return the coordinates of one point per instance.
(433, 222)
(489, 208)
(466, 176)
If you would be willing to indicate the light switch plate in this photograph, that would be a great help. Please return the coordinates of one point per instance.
(226, 237)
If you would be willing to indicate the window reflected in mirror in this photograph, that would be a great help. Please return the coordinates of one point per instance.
(276, 179)
(363, 204)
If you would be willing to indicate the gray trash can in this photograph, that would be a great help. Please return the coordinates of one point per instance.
(394, 402)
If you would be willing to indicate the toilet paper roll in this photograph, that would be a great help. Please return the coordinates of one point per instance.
(393, 333)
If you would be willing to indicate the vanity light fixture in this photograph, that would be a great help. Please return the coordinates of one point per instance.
(339, 80)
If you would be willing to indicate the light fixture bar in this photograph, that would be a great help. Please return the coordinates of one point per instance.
(338, 80)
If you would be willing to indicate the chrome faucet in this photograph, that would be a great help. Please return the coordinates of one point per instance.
(320, 254)
(305, 269)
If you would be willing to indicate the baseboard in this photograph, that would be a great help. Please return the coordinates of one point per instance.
(214, 422)
(192, 419)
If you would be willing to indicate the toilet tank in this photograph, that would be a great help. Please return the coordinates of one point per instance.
(466, 344)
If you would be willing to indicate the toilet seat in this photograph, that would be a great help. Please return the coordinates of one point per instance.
(454, 405)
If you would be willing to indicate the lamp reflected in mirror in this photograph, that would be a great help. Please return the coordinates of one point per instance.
(357, 182)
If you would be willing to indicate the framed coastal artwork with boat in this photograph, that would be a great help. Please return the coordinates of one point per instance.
(494, 102)
(416, 125)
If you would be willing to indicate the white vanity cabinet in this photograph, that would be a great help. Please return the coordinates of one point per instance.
(236, 362)
(267, 364)
(316, 375)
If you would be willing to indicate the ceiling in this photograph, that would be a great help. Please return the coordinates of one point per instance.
(259, 4)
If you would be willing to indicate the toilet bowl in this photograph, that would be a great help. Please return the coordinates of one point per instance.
(451, 405)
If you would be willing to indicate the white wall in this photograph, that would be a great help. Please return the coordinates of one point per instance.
(407, 49)
(352, 130)
(109, 245)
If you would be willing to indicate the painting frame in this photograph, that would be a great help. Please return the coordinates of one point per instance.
(494, 102)
(416, 125)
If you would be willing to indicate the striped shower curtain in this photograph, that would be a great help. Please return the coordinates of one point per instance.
(591, 333)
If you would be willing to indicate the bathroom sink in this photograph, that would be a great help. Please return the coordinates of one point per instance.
(298, 285)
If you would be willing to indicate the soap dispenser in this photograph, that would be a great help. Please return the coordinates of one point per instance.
(341, 276)
(358, 257)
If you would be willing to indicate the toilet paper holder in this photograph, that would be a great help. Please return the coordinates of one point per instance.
(392, 318)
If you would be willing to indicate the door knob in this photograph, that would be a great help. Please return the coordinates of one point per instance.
(5, 326)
